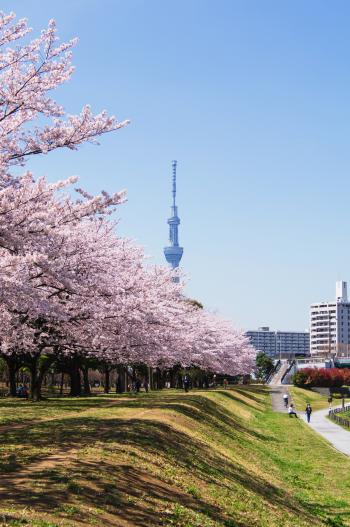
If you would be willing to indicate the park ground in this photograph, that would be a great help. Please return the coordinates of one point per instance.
(202, 459)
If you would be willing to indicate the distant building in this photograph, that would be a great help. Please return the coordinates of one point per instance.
(263, 340)
(280, 344)
(330, 325)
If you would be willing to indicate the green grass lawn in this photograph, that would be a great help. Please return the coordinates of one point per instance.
(203, 459)
(302, 396)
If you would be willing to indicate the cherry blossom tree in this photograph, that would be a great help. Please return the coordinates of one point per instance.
(70, 288)
(31, 122)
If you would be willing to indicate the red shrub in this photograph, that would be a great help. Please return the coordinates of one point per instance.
(324, 377)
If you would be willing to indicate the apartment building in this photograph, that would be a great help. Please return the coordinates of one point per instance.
(280, 344)
(330, 325)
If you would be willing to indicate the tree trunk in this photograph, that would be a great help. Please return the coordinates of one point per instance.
(107, 379)
(75, 379)
(86, 383)
(151, 376)
(61, 385)
(120, 384)
(159, 379)
(35, 380)
(12, 367)
(37, 374)
(35, 386)
(172, 375)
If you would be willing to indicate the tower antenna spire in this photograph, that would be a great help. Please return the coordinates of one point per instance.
(173, 253)
(174, 163)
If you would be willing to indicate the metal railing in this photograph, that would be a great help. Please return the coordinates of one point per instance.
(344, 421)
(273, 372)
(291, 365)
(311, 360)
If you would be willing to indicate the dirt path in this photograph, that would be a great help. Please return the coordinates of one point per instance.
(64, 455)
(29, 486)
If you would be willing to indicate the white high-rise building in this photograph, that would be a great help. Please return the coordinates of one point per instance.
(330, 325)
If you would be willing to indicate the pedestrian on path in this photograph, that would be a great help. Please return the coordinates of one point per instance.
(308, 411)
(285, 400)
(187, 383)
(291, 411)
(330, 400)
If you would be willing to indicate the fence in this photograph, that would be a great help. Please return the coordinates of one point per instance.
(287, 372)
(273, 372)
(344, 421)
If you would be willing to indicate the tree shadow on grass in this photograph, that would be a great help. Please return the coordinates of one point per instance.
(203, 410)
(250, 394)
(156, 440)
(212, 416)
(129, 493)
(124, 489)
(257, 405)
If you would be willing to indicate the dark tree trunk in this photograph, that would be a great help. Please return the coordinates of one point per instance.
(107, 379)
(159, 379)
(35, 379)
(35, 385)
(151, 377)
(61, 385)
(75, 379)
(120, 384)
(37, 374)
(172, 376)
(87, 389)
(12, 367)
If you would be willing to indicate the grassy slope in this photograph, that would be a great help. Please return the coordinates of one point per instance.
(201, 459)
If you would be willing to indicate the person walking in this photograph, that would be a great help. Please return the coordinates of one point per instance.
(146, 385)
(285, 400)
(225, 383)
(291, 411)
(308, 411)
(187, 383)
(137, 385)
(330, 400)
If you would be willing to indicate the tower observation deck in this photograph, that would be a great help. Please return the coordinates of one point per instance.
(173, 253)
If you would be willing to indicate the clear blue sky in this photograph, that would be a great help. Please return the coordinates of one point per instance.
(253, 100)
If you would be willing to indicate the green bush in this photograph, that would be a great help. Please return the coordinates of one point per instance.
(300, 378)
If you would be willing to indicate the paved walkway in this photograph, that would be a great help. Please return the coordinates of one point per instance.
(277, 397)
(335, 434)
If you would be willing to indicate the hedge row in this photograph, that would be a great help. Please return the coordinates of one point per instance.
(323, 377)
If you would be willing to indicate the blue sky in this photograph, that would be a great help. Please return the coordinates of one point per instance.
(253, 100)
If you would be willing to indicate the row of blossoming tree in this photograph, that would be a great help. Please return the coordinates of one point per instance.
(71, 289)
